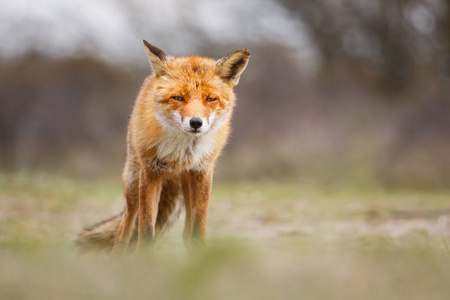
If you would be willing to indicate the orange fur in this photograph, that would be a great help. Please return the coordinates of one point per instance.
(167, 155)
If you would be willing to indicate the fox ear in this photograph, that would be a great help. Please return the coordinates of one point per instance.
(231, 67)
(158, 58)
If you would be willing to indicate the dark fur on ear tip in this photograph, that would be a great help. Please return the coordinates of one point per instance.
(246, 50)
(155, 50)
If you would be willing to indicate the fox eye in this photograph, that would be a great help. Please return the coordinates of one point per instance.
(178, 98)
(211, 99)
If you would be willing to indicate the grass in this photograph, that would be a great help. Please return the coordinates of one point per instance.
(267, 240)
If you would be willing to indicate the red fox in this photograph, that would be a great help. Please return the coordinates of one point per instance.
(179, 126)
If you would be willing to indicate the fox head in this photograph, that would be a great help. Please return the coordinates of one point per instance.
(195, 94)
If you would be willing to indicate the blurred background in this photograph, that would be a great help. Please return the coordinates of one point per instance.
(340, 153)
(335, 91)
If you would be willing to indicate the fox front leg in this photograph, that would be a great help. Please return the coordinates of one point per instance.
(186, 189)
(200, 183)
(131, 190)
(149, 195)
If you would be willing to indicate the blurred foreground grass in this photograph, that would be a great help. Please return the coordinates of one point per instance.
(267, 240)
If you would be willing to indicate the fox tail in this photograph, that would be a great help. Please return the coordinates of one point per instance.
(99, 236)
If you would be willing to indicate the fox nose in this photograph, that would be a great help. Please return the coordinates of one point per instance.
(196, 123)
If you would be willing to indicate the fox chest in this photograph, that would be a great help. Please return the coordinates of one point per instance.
(181, 153)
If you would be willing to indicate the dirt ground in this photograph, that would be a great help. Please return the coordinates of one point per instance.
(266, 240)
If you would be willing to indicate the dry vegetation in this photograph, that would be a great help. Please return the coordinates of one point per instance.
(267, 240)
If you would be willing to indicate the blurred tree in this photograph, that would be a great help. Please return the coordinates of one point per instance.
(52, 108)
(397, 36)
